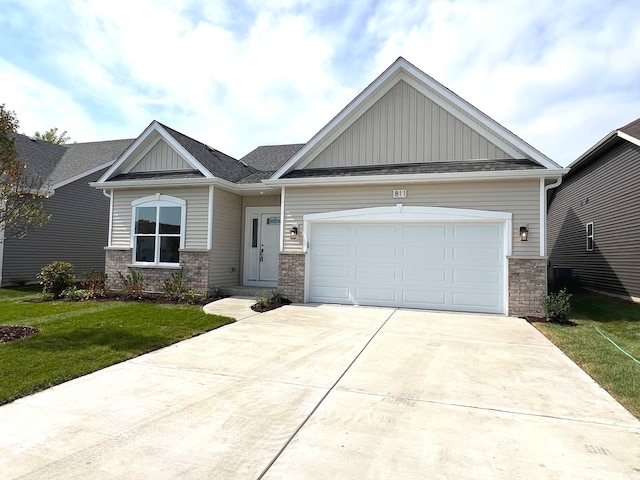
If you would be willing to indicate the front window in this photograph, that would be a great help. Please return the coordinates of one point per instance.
(157, 230)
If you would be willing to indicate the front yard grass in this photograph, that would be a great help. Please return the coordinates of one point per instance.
(606, 364)
(77, 338)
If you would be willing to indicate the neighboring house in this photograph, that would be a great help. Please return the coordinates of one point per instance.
(77, 229)
(594, 216)
(409, 197)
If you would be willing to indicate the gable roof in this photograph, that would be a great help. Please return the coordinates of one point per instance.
(59, 165)
(628, 133)
(269, 158)
(206, 162)
(402, 70)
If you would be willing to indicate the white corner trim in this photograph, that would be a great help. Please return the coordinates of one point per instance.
(282, 222)
(210, 218)
(110, 234)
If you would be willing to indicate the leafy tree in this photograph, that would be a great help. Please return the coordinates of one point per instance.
(52, 136)
(21, 195)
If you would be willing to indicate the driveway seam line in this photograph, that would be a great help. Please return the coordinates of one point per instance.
(322, 399)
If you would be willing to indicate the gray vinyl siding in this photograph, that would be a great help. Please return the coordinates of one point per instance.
(225, 265)
(404, 126)
(76, 233)
(607, 193)
(197, 214)
(520, 197)
(161, 157)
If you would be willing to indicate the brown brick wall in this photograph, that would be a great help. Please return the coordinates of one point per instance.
(527, 285)
(195, 267)
(291, 276)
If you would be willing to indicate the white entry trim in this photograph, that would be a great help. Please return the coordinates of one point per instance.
(401, 213)
(248, 215)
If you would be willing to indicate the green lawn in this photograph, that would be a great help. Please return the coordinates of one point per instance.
(77, 338)
(607, 365)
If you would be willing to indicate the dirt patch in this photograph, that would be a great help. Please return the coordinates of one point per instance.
(566, 323)
(9, 333)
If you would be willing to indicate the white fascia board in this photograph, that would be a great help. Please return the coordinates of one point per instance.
(418, 178)
(629, 138)
(181, 182)
(133, 148)
(80, 175)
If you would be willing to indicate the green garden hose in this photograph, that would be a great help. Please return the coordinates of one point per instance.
(618, 347)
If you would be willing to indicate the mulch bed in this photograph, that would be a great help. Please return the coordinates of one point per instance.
(566, 323)
(9, 333)
(269, 306)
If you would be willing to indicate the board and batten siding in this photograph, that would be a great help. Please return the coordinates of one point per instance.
(404, 126)
(77, 233)
(161, 158)
(521, 198)
(225, 265)
(607, 193)
(197, 211)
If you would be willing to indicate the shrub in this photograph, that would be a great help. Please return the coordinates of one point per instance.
(75, 293)
(269, 299)
(556, 306)
(175, 288)
(55, 277)
(95, 283)
(132, 283)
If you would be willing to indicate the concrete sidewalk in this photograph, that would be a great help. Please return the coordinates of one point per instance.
(316, 391)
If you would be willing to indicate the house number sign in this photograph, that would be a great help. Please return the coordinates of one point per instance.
(399, 194)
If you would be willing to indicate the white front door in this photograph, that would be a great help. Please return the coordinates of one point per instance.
(262, 246)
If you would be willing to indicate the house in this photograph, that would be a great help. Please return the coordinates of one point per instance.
(77, 229)
(594, 216)
(409, 197)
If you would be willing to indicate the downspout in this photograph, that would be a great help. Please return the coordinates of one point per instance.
(543, 212)
(109, 195)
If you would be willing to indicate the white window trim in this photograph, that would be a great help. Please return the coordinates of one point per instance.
(592, 236)
(158, 200)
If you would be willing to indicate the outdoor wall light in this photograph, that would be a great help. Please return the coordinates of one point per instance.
(524, 234)
(293, 233)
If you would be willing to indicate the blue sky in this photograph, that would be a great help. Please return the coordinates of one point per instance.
(238, 74)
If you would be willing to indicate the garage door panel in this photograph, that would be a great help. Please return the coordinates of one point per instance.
(424, 275)
(420, 298)
(445, 266)
(477, 277)
(376, 232)
(376, 252)
(417, 233)
(333, 251)
(476, 300)
(368, 295)
(424, 253)
(381, 273)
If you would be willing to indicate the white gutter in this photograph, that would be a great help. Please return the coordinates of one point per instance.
(110, 197)
(543, 212)
(417, 178)
(181, 182)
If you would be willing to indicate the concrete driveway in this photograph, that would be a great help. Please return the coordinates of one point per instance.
(330, 392)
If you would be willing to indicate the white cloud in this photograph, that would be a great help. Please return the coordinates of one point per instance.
(237, 75)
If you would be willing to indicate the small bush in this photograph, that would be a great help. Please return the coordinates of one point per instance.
(556, 306)
(56, 277)
(175, 289)
(95, 283)
(133, 284)
(75, 293)
(269, 300)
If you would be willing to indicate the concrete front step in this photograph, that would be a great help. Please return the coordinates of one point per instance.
(247, 291)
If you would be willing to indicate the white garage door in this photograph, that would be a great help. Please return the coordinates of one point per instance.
(442, 266)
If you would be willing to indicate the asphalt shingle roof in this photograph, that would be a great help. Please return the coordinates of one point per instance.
(269, 158)
(56, 163)
(219, 164)
(632, 129)
(417, 168)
